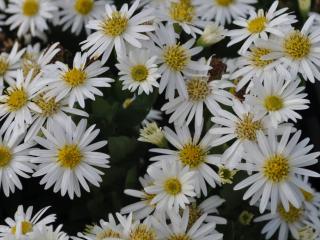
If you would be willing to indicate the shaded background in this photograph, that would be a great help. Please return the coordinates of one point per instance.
(129, 157)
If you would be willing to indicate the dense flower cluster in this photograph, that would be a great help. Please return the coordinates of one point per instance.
(253, 102)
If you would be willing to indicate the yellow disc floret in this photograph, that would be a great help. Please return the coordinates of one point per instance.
(26, 227)
(5, 156)
(139, 73)
(69, 156)
(292, 216)
(74, 77)
(175, 57)
(276, 168)
(4, 65)
(49, 107)
(273, 103)
(192, 155)
(198, 89)
(297, 46)
(143, 232)
(83, 7)
(256, 57)
(17, 99)
(172, 186)
(182, 11)
(246, 128)
(179, 237)
(257, 24)
(107, 233)
(224, 3)
(116, 25)
(30, 7)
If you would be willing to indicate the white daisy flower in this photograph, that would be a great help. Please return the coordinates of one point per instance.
(16, 105)
(172, 186)
(297, 50)
(279, 99)
(276, 165)
(175, 60)
(48, 233)
(75, 14)
(311, 199)
(138, 71)
(201, 92)
(184, 13)
(9, 63)
(23, 223)
(30, 15)
(259, 25)
(14, 161)
(69, 157)
(193, 153)
(286, 221)
(116, 29)
(178, 227)
(77, 83)
(224, 11)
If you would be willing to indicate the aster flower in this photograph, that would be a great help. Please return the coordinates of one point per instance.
(172, 186)
(224, 11)
(138, 71)
(276, 166)
(23, 222)
(259, 25)
(76, 83)
(69, 158)
(193, 153)
(116, 29)
(212, 34)
(279, 99)
(48, 233)
(151, 133)
(30, 15)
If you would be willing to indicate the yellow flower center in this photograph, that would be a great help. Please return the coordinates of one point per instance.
(5, 156)
(257, 24)
(226, 175)
(194, 214)
(273, 103)
(172, 186)
(28, 65)
(107, 233)
(192, 155)
(139, 73)
(175, 57)
(4, 65)
(179, 237)
(256, 57)
(297, 45)
(143, 232)
(30, 7)
(182, 11)
(26, 227)
(75, 77)
(224, 3)
(48, 107)
(69, 156)
(246, 129)
(276, 168)
(198, 89)
(149, 197)
(292, 216)
(307, 195)
(83, 6)
(17, 99)
(116, 25)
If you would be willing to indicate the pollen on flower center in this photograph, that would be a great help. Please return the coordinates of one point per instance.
(83, 6)
(224, 3)
(30, 7)
(142, 232)
(139, 73)
(297, 45)
(4, 65)
(276, 168)
(307, 195)
(17, 99)
(74, 77)
(257, 24)
(246, 129)
(5, 156)
(172, 186)
(179, 237)
(182, 11)
(273, 103)
(292, 216)
(194, 214)
(256, 57)
(107, 234)
(26, 227)
(69, 156)
(116, 25)
(192, 155)
(48, 107)
(198, 89)
(175, 57)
